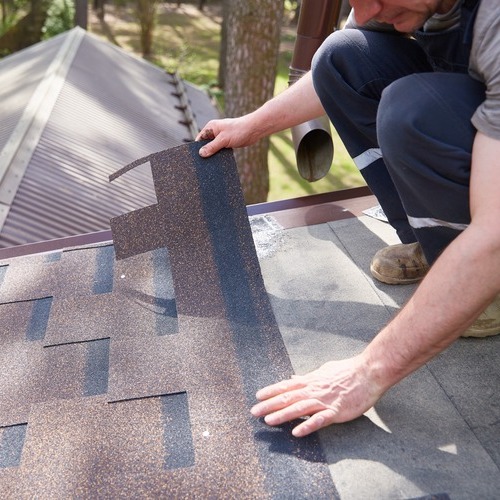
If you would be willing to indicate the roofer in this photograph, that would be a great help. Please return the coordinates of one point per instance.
(420, 115)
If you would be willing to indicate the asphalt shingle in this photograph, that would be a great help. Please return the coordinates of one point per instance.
(136, 376)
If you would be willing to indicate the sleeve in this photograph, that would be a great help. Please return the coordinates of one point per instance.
(484, 65)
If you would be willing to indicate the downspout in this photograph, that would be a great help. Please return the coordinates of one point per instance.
(312, 140)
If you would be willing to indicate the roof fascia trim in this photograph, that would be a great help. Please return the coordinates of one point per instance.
(17, 153)
(309, 200)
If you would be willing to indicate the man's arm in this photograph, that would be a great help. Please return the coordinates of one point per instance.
(460, 285)
(299, 103)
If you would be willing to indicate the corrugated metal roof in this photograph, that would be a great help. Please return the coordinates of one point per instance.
(76, 109)
(21, 74)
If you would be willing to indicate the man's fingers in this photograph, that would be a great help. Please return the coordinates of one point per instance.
(278, 402)
(215, 145)
(212, 147)
(294, 411)
(206, 151)
(207, 134)
(279, 388)
(314, 423)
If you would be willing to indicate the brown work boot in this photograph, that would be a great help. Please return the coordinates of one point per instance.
(399, 264)
(488, 323)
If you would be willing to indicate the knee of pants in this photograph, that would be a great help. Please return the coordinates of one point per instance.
(427, 116)
(396, 119)
(362, 62)
(333, 61)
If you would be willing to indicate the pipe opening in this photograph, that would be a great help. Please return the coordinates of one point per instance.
(314, 152)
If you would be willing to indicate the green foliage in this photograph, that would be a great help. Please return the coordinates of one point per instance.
(60, 18)
(188, 41)
(290, 9)
(290, 5)
(188, 44)
(14, 10)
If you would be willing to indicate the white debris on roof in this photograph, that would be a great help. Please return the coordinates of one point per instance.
(376, 212)
(268, 235)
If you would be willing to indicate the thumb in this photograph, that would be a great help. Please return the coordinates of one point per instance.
(210, 148)
(205, 152)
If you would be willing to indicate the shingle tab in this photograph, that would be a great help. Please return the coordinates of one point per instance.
(178, 440)
(97, 367)
(11, 445)
(39, 319)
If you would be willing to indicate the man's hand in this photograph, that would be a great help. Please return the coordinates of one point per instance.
(228, 133)
(297, 104)
(336, 392)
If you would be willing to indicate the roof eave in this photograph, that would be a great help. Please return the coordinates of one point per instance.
(331, 206)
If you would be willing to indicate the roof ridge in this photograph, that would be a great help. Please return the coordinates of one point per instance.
(17, 153)
(184, 106)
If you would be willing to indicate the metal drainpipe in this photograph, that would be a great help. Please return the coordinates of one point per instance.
(312, 140)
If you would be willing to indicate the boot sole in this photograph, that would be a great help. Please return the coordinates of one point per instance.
(487, 332)
(388, 280)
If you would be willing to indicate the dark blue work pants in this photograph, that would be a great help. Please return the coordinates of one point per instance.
(407, 128)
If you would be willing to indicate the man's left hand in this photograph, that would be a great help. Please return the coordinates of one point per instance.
(336, 392)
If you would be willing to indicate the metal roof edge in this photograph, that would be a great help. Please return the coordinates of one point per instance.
(184, 106)
(55, 244)
(260, 208)
(16, 155)
(309, 200)
(43, 98)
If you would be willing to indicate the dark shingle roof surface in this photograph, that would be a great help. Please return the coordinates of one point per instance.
(135, 377)
(139, 373)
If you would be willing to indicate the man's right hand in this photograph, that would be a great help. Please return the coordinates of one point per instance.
(228, 133)
(297, 104)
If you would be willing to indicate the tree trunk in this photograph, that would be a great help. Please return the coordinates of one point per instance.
(81, 13)
(4, 13)
(223, 45)
(253, 35)
(146, 12)
(99, 9)
(28, 30)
